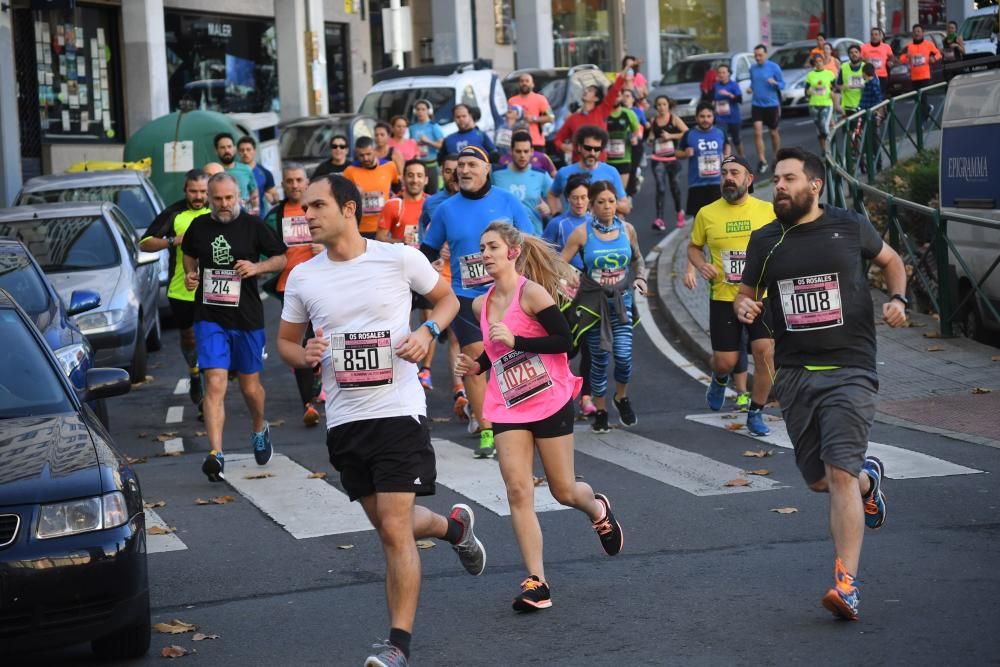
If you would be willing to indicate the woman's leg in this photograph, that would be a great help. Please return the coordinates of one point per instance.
(516, 451)
(622, 350)
(660, 177)
(673, 168)
(557, 459)
(598, 367)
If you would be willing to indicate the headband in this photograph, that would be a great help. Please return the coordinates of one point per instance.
(476, 152)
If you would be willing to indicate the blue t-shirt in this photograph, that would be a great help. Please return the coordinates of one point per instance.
(430, 205)
(733, 117)
(764, 94)
(601, 172)
(461, 221)
(529, 186)
(265, 181)
(560, 227)
(705, 165)
(454, 143)
(432, 131)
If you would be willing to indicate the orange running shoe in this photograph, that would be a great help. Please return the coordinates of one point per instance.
(311, 415)
(843, 599)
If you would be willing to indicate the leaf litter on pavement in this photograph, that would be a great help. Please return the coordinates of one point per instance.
(737, 482)
(425, 544)
(760, 471)
(259, 475)
(217, 500)
(785, 510)
(175, 627)
(199, 637)
(734, 427)
(160, 530)
(760, 453)
(155, 504)
(316, 475)
(982, 390)
(174, 651)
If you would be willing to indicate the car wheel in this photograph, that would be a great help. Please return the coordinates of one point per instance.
(129, 642)
(137, 370)
(972, 322)
(154, 341)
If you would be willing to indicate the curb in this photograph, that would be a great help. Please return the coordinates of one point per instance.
(692, 338)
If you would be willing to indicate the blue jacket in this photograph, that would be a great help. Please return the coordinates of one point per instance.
(765, 94)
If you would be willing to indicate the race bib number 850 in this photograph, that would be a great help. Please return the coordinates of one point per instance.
(361, 360)
(812, 302)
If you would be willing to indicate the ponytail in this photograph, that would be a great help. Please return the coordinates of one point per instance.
(537, 261)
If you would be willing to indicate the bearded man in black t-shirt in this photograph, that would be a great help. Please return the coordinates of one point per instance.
(812, 262)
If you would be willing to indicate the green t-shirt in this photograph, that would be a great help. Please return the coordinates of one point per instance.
(244, 176)
(820, 85)
(852, 82)
(622, 124)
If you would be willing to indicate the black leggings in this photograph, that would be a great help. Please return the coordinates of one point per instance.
(665, 173)
(633, 180)
(585, 369)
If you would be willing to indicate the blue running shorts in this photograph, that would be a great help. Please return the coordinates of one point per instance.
(232, 349)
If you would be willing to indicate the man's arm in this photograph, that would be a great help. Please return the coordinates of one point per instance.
(893, 311)
(413, 347)
(607, 105)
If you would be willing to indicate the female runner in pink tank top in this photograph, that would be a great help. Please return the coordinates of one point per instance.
(529, 395)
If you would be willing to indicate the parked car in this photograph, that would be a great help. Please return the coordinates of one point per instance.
(979, 32)
(72, 529)
(91, 246)
(793, 59)
(306, 141)
(899, 75)
(474, 84)
(129, 189)
(682, 82)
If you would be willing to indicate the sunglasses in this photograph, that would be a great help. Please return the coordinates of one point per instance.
(340, 146)
(591, 149)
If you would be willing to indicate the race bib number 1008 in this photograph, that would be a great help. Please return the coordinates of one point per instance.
(812, 302)
(361, 360)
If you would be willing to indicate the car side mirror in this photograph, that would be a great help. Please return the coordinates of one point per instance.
(106, 383)
(148, 258)
(80, 301)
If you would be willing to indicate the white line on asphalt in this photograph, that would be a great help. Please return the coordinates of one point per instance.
(899, 463)
(480, 479)
(694, 473)
(173, 445)
(175, 414)
(160, 543)
(302, 506)
(802, 123)
(264, 296)
(182, 386)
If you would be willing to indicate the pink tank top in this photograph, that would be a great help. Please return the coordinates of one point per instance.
(524, 387)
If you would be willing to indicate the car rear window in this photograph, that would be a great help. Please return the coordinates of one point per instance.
(977, 27)
(797, 58)
(309, 141)
(20, 278)
(131, 199)
(690, 71)
(29, 384)
(66, 244)
(384, 104)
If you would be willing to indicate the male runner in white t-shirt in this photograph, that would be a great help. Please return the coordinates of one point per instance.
(377, 432)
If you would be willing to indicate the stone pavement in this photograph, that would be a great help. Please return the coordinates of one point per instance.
(926, 383)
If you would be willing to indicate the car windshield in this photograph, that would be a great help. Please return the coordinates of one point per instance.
(794, 58)
(555, 92)
(131, 199)
(309, 141)
(690, 71)
(21, 280)
(28, 385)
(66, 244)
(977, 27)
(384, 104)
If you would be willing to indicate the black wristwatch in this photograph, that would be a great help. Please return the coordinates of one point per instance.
(170, 241)
(902, 299)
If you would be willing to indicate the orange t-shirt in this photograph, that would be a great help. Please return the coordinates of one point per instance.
(296, 238)
(376, 187)
(401, 217)
(919, 58)
(878, 56)
(534, 105)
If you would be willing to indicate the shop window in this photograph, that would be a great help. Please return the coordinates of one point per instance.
(503, 18)
(581, 33)
(338, 72)
(793, 20)
(690, 28)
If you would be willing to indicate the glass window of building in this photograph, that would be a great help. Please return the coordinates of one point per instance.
(581, 34)
(338, 72)
(503, 18)
(689, 27)
(792, 20)
(222, 63)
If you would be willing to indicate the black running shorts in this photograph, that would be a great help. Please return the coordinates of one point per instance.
(465, 326)
(391, 454)
(726, 330)
(183, 313)
(554, 426)
(767, 115)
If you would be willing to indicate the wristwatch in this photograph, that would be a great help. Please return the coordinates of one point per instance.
(902, 299)
(432, 325)
(170, 241)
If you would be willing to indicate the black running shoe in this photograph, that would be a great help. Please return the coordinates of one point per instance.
(626, 415)
(608, 528)
(196, 391)
(214, 466)
(534, 595)
(600, 424)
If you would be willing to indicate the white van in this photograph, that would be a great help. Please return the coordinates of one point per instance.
(969, 177)
(979, 32)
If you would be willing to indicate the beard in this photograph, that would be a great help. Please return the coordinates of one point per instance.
(789, 209)
(227, 159)
(525, 90)
(226, 216)
(732, 193)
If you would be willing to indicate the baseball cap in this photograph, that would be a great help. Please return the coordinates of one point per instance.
(742, 161)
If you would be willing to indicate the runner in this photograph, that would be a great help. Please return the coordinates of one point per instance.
(623, 134)
(766, 84)
(375, 179)
(468, 134)
(919, 54)
(536, 109)
(590, 141)
(167, 231)
(383, 150)
(212, 168)
(430, 139)
(954, 45)
(820, 47)
(595, 106)
(459, 222)
(407, 147)
(724, 227)
(528, 185)
(851, 81)
(400, 219)
(263, 178)
(819, 87)
(728, 96)
(531, 388)
(812, 261)
(635, 143)
(880, 55)
(288, 221)
(539, 162)
(338, 157)
(221, 250)
(665, 132)
(513, 121)
(705, 145)
(613, 266)
(226, 150)
(377, 430)
(830, 61)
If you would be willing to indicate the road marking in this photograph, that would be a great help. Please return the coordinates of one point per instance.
(264, 296)
(160, 543)
(694, 473)
(480, 479)
(183, 385)
(304, 507)
(173, 445)
(803, 123)
(899, 463)
(175, 414)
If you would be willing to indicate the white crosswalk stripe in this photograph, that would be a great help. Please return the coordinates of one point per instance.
(175, 414)
(164, 542)
(182, 386)
(899, 463)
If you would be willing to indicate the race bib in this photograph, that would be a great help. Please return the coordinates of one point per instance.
(372, 203)
(503, 137)
(856, 81)
(220, 287)
(733, 262)
(919, 61)
(877, 63)
(722, 107)
(616, 148)
(295, 230)
(422, 151)
(663, 147)
(812, 302)
(520, 375)
(410, 236)
(473, 271)
(361, 360)
(608, 277)
(819, 91)
(709, 165)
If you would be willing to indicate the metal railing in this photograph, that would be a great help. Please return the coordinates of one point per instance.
(897, 129)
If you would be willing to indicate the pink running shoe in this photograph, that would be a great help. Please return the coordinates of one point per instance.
(680, 219)
(659, 225)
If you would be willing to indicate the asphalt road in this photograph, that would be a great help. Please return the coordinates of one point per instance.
(709, 574)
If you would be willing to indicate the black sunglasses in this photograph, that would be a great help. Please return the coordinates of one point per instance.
(343, 146)
(591, 149)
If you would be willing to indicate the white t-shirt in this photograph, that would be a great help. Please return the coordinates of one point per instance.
(363, 307)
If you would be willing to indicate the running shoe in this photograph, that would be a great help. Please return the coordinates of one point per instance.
(470, 550)
(261, 443)
(875, 500)
(473, 425)
(608, 528)
(587, 406)
(386, 655)
(425, 378)
(755, 423)
(659, 225)
(716, 393)
(201, 410)
(743, 401)
(600, 424)
(196, 391)
(534, 595)
(680, 219)
(626, 415)
(461, 405)
(214, 466)
(311, 415)
(843, 599)
(486, 449)
(762, 167)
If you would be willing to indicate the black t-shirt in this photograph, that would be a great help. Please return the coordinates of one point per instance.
(163, 226)
(231, 302)
(818, 295)
(328, 167)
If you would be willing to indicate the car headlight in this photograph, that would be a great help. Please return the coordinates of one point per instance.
(71, 356)
(81, 516)
(104, 319)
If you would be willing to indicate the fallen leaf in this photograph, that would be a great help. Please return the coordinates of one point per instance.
(149, 378)
(259, 475)
(154, 504)
(425, 544)
(316, 475)
(276, 422)
(175, 627)
(201, 501)
(160, 530)
(995, 357)
(737, 482)
(345, 547)
(982, 390)
(201, 434)
(734, 427)
(173, 652)
(772, 418)
(169, 435)
(729, 416)
(785, 510)
(931, 334)
(222, 500)
(760, 471)
(200, 637)
(935, 348)
(141, 459)
(760, 453)
(539, 481)
(441, 420)
(172, 453)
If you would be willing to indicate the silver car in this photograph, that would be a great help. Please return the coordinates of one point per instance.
(793, 59)
(129, 189)
(682, 82)
(92, 246)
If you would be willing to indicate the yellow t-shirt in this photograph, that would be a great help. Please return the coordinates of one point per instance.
(725, 228)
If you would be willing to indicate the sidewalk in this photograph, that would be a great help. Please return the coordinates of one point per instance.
(926, 383)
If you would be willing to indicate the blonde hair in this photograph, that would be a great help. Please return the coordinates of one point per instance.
(537, 261)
